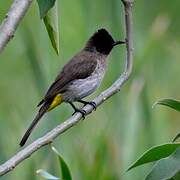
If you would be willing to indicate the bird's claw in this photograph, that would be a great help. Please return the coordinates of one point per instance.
(83, 112)
(93, 104)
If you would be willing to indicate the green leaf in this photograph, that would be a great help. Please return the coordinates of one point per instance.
(176, 177)
(155, 153)
(166, 168)
(66, 174)
(174, 104)
(45, 6)
(51, 23)
(46, 175)
(176, 137)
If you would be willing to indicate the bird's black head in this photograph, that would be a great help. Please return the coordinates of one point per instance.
(102, 41)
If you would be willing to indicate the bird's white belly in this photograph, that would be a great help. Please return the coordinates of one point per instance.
(81, 88)
(84, 87)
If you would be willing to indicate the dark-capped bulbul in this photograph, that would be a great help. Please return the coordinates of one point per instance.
(80, 77)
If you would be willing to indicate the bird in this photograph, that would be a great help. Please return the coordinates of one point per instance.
(79, 78)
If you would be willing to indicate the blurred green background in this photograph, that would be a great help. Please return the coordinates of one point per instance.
(104, 145)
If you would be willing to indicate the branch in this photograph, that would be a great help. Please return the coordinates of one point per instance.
(49, 137)
(12, 20)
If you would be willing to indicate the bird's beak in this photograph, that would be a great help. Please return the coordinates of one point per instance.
(118, 42)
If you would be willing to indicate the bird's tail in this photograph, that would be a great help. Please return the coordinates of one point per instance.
(41, 112)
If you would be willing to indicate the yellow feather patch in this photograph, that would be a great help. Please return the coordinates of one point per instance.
(56, 101)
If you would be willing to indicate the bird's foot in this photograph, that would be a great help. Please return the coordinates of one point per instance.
(83, 112)
(93, 104)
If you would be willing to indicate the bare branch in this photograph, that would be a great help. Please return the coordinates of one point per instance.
(49, 137)
(12, 20)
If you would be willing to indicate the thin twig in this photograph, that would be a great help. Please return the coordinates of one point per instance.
(10, 23)
(49, 137)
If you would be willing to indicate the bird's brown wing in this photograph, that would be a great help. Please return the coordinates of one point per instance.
(79, 67)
